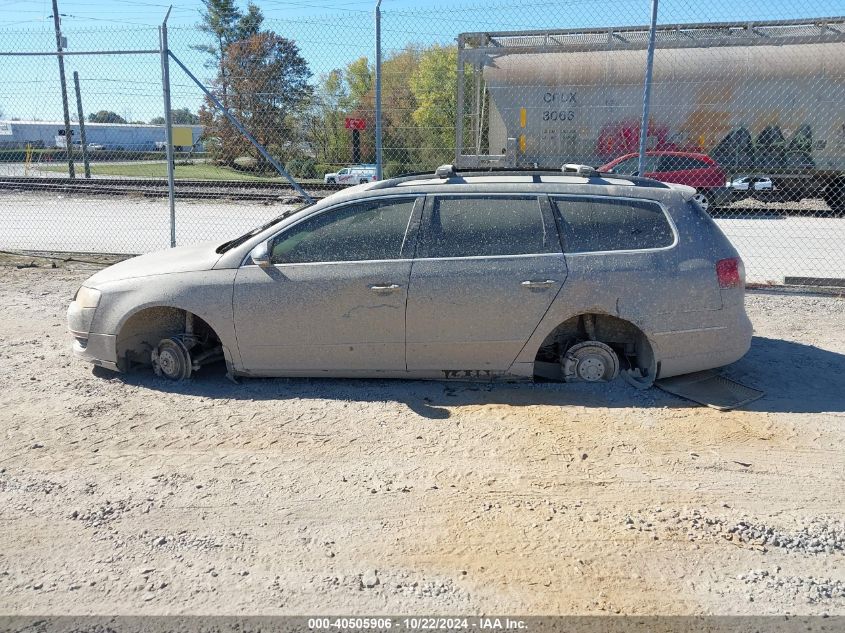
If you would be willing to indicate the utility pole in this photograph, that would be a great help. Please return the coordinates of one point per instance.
(379, 169)
(68, 137)
(81, 116)
(168, 125)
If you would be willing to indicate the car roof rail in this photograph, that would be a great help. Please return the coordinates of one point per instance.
(587, 171)
(448, 172)
(445, 171)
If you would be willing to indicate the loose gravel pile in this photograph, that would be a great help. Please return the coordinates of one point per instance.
(816, 536)
(813, 589)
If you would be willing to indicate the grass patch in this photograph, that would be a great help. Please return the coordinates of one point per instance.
(159, 170)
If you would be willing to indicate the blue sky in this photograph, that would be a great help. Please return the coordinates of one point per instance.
(330, 34)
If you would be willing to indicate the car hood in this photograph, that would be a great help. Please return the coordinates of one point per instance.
(182, 259)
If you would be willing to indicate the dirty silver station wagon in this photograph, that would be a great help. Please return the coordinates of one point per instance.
(568, 275)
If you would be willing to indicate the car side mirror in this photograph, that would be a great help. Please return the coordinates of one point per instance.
(260, 255)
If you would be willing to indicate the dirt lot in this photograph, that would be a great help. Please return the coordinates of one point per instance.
(129, 494)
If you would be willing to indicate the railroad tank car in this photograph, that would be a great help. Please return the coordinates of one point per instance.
(763, 98)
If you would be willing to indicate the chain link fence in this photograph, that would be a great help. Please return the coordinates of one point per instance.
(746, 105)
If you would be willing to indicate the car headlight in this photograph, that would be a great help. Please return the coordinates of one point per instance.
(87, 297)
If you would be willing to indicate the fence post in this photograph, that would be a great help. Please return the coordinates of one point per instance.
(378, 91)
(168, 125)
(649, 66)
(81, 116)
(459, 108)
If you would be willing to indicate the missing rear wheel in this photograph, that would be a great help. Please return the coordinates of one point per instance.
(590, 361)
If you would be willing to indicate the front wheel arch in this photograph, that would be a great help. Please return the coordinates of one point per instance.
(141, 330)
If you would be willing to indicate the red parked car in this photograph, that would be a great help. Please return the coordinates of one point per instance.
(683, 168)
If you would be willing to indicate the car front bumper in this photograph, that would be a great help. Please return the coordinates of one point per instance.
(98, 349)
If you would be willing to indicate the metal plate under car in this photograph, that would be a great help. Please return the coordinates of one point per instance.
(711, 389)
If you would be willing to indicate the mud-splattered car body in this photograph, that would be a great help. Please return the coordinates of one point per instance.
(562, 275)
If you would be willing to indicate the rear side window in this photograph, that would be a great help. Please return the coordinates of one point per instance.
(478, 226)
(608, 224)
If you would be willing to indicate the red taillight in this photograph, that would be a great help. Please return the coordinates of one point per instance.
(729, 272)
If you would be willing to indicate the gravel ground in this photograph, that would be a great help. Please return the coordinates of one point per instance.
(132, 495)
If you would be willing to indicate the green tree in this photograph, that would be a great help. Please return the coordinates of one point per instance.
(401, 136)
(226, 24)
(105, 116)
(434, 88)
(360, 78)
(182, 116)
(324, 121)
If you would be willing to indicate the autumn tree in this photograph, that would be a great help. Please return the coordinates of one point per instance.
(266, 79)
(418, 108)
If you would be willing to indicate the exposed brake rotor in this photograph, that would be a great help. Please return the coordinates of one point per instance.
(172, 359)
(590, 361)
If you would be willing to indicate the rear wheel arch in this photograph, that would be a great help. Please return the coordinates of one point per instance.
(627, 338)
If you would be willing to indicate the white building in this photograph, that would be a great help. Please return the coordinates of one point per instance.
(112, 136)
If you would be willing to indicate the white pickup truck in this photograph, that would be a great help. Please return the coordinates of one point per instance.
(354, 175)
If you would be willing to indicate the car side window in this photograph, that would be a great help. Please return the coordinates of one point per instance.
(681, 163)
(592, 224)
(627, 166)
(671, 163)
(362, 231)
(478, 226)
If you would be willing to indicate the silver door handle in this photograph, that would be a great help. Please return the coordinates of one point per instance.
(385, 288)
(531, 283)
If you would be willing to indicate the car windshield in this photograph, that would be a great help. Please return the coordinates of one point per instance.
(225, 246)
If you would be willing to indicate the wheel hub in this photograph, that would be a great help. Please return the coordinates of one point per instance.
(590, 361)
(171, 359)
(168, 363)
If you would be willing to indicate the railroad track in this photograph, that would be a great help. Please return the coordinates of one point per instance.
(277, 192)
(157, 187)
